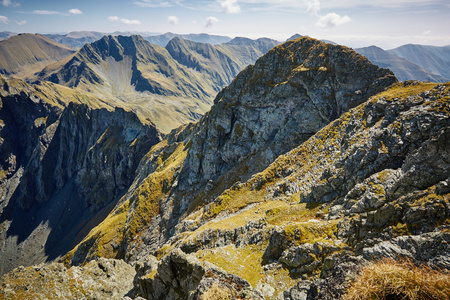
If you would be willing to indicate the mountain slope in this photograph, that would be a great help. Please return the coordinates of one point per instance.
(221, 63)
(25, 54)
(403, 69)
(435, 59)
(64, 163)
(268, 109)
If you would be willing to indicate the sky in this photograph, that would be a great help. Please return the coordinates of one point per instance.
(355, 23)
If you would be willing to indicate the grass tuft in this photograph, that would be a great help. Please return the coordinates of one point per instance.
(216, 292)
(390, 279)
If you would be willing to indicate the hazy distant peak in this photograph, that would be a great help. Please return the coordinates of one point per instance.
(295, 36)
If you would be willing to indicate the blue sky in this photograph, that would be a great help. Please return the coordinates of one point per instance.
(356, 23)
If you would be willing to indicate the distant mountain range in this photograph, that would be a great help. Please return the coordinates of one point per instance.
(171, 86)
(408, 62)
(403, 68)
(435, 59)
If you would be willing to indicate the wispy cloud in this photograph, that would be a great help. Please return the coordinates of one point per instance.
(156, 3)
(230, 7)
(332, 20)
(210, 21)
(46, 12)
(4, 19)
(172, 20)
(21, 23)
(75, 11)
(313, 7)
(124, 21)
(7, 3)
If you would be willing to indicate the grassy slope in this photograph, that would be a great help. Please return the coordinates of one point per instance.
(26, 54)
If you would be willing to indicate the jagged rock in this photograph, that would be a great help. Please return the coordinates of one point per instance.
(182, 276)
(99, 279)
(433, 248)
(177, 277)
(342, 274)
(229, 284)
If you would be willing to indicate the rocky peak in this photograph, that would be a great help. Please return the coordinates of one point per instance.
(275, 105)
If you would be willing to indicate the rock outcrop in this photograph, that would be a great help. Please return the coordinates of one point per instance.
(181, 276)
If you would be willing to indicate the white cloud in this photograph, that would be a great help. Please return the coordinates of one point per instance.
(124, 21)
(21, 23)
(46, 12)
(427, 32)
(75, 11)
(210, 21)
(313, 7)
(172, 20)
(6, 3)
(230, 7)
(156, 3)
(332, 20)
(4, 19)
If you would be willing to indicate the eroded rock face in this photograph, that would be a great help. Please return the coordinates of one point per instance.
(99, 279)
(275, 105)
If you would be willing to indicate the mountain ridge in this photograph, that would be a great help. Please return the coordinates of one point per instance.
(404, 69)
(163, 84)
(24, 54)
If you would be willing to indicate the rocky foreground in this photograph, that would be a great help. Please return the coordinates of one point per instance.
(311, 165)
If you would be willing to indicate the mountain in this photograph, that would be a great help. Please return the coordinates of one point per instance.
(76, 39)
(313, 168)
(221, 63)
(6, 35)
(403, 69)
(171, 86)
(294, 37)
(66, 158)
(24, 54)
(263, 44)
(188, 179)
(163, 39)
(435, 59)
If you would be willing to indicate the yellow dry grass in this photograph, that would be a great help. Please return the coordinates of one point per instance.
(216, 292)
(390, 279)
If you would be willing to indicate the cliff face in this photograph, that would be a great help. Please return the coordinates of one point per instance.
(61, 169)
(290, 93)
